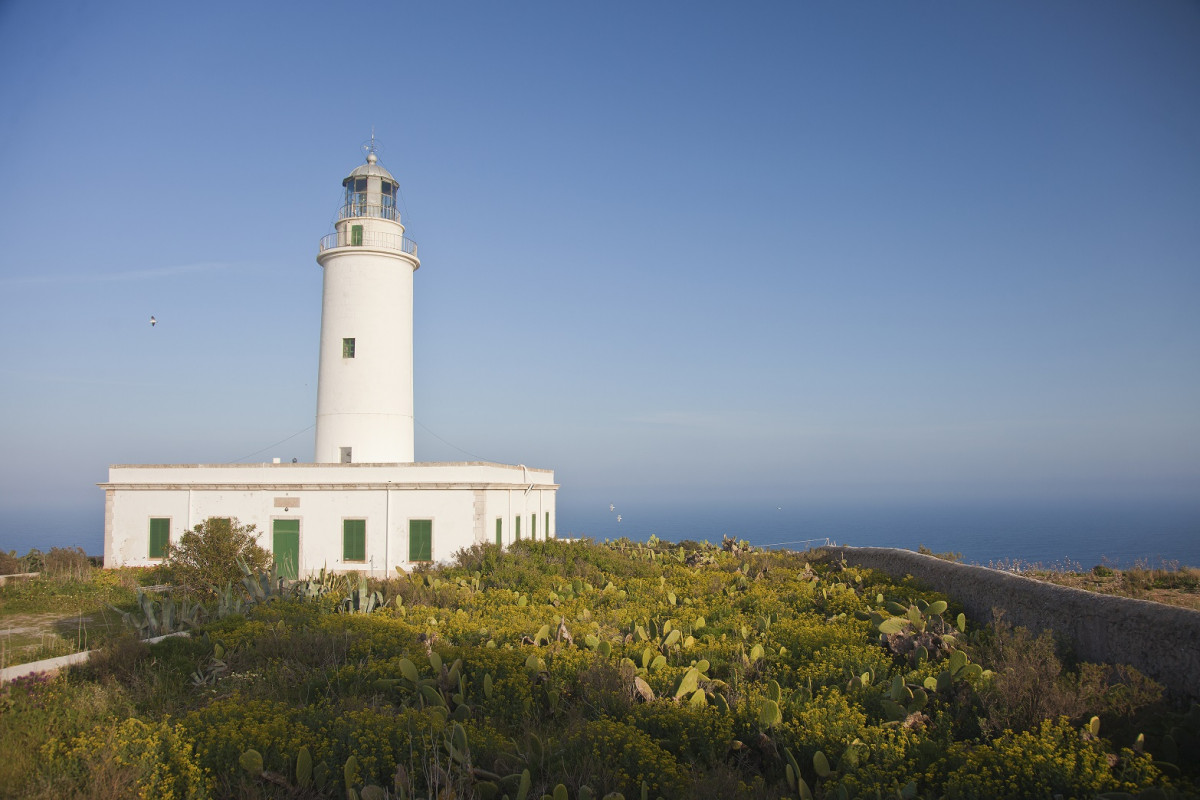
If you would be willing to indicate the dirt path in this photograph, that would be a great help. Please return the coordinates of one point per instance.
(27, 637)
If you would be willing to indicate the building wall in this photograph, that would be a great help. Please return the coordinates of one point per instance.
(320, 496)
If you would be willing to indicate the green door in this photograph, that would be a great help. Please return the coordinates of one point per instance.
(285, 544)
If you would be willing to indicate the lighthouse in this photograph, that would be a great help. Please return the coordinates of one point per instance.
(365, 377)
(363, 504)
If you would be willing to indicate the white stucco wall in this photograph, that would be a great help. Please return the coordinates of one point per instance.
(463, 501)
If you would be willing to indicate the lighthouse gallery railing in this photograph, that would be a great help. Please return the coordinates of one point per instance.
(375, 239)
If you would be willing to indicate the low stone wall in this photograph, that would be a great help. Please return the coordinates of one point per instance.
(1161, 641)
(52, 666)
(17, 576)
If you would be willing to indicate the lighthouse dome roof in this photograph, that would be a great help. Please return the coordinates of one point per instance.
(371, 169)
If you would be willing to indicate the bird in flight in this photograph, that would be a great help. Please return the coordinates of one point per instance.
(611, 507)
(153, 321)
(618, 517)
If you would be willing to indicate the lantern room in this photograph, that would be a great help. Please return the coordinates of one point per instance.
(370, 192)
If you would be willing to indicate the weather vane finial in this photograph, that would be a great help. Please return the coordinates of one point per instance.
(370, 149)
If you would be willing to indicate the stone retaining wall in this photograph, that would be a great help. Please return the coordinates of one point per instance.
(17, 576)
(52, 666)
(1160, 640)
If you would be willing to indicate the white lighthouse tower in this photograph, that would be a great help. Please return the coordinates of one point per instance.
(365, 382)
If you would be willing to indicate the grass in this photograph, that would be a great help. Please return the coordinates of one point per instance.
(1168, 582)
(65, 612)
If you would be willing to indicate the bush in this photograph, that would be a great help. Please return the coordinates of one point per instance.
(1054, 760)
(618, 757)
(1030, 684)
(948, 556)
(9, 563)
(67, 562)
(207, 556)
(131, 758)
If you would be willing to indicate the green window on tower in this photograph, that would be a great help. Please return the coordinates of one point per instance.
(517, 529)
(160, 536)
(533, 527)
(420, 540)
(499, 531)
(356, 235)
(347, 348)
(354, 540)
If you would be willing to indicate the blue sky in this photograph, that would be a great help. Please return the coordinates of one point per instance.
(759, 252)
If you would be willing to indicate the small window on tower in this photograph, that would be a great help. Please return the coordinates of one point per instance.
(346, 455)
(347, 348)
(356, 236)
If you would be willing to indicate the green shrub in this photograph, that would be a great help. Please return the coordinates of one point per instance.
(695, 736)
(888, 757)
(207, 556)
(67, 562)
(949, 556)
(129, 758)
(1055, 759)
(379, 739)
(827, 723)
(1030, 685)
(9, 563)
(617, 757)
(226, 728)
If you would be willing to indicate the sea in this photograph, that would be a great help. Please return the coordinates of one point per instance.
(1003, 534)
(1064, 535)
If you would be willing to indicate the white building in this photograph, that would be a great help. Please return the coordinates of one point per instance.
(365, 505)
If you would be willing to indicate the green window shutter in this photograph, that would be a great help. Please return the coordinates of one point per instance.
(517, 530)
(356, 235)
(547, 524)
(533, 527)
(420, 540)
(348, 348)
(160, 536)
(499, 531)
(354, 540)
